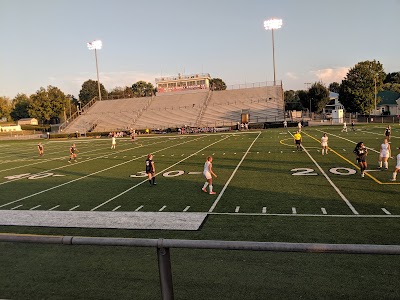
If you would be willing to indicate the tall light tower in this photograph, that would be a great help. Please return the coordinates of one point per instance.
(272, 24)
(95, 45)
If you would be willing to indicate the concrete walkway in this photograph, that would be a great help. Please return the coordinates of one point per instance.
(119, 220)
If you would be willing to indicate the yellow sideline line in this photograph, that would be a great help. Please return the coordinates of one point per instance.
(350, 162)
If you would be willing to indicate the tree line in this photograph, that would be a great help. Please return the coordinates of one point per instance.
(356, 91)
(50, 104)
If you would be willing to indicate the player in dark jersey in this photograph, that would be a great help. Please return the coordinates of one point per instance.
(361, 155)
(151, 169)
(388, 132)
(40, 149)
(72, 153)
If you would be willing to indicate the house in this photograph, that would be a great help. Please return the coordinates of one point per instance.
(28, 121)
(389, 103)
(333, 104)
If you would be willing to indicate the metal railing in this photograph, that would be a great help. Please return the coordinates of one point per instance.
(163, 246)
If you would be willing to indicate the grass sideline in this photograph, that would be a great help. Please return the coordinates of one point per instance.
(264, 179)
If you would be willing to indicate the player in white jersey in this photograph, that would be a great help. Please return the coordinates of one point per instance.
(384, 154)
(344, 127)
(324, 144)
(113, 142)
(397, 168)
(208, 173)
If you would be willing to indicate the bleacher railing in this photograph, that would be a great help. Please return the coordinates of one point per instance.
(76, 114)
(163, 249)
(254, 85)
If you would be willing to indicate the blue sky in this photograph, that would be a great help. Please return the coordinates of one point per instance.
(44, 41)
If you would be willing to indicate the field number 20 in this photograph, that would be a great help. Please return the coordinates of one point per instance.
(336, 171)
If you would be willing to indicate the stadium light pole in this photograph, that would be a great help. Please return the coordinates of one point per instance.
(272, 24)
(96, 45)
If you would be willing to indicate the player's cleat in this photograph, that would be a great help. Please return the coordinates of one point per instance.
(204, 190)
(69, 161)
(212, 193)
(155, 183)
(393, 179)
(362, 174)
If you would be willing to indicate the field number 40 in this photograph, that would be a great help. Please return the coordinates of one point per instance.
(308, 171)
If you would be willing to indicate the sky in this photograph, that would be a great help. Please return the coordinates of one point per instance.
(44, 42)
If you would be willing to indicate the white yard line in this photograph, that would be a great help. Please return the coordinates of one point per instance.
(340, 137)
(162, 208)
(386, 211)
(306, 215)
(79, 162)
(233, 174)
(237, 209)
(136, 185)
(73, 208)
(264, 210)
(139, 208)
(33, 208)
(118, 207)
(83, 177)
(186, 208)
(331, 182)
(294, 211)
(54, 207)
(324, 211)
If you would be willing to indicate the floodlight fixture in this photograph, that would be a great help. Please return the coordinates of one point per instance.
(96, 45)
(272, 24)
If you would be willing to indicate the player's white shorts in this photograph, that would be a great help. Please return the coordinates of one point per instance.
(398, 166)
(207, 175)
(384, 153)
(324, 144)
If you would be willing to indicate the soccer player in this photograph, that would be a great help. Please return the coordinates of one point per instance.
(324, 144)
(397, 168)
(384, 154)
(208, 173)
(72, 152)
(285, 124)
(297, 140)
(113, 142)
(344, 127)
(388, 132)
(352, 126)
(299, 125)
(40, 149)
(361, 155)
(151, 169)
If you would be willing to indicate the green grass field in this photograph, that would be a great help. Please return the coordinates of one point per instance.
(266, 191)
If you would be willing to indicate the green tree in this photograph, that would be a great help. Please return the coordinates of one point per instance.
(303, 98)
(217, 84)
(292, 100)
(334, 87)
(318, 95)
(20, 105)
(143, 89)
(48, 104)
(90, 90)
(5, 108)
(121, 92)
(357, 91)
(392, 78)
(394, 87)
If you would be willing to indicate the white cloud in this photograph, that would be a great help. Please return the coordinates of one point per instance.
(292, 75)
(330, 75)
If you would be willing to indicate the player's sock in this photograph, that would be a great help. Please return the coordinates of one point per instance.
(394, 175)
(385, 165)
(154, 180)
(205, 185)
(150, 181)
(379, 164)
(211, 188)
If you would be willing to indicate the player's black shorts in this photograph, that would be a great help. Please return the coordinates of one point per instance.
(361, 158)
(298, 142)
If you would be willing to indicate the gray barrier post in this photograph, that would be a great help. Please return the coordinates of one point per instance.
(164, 268)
